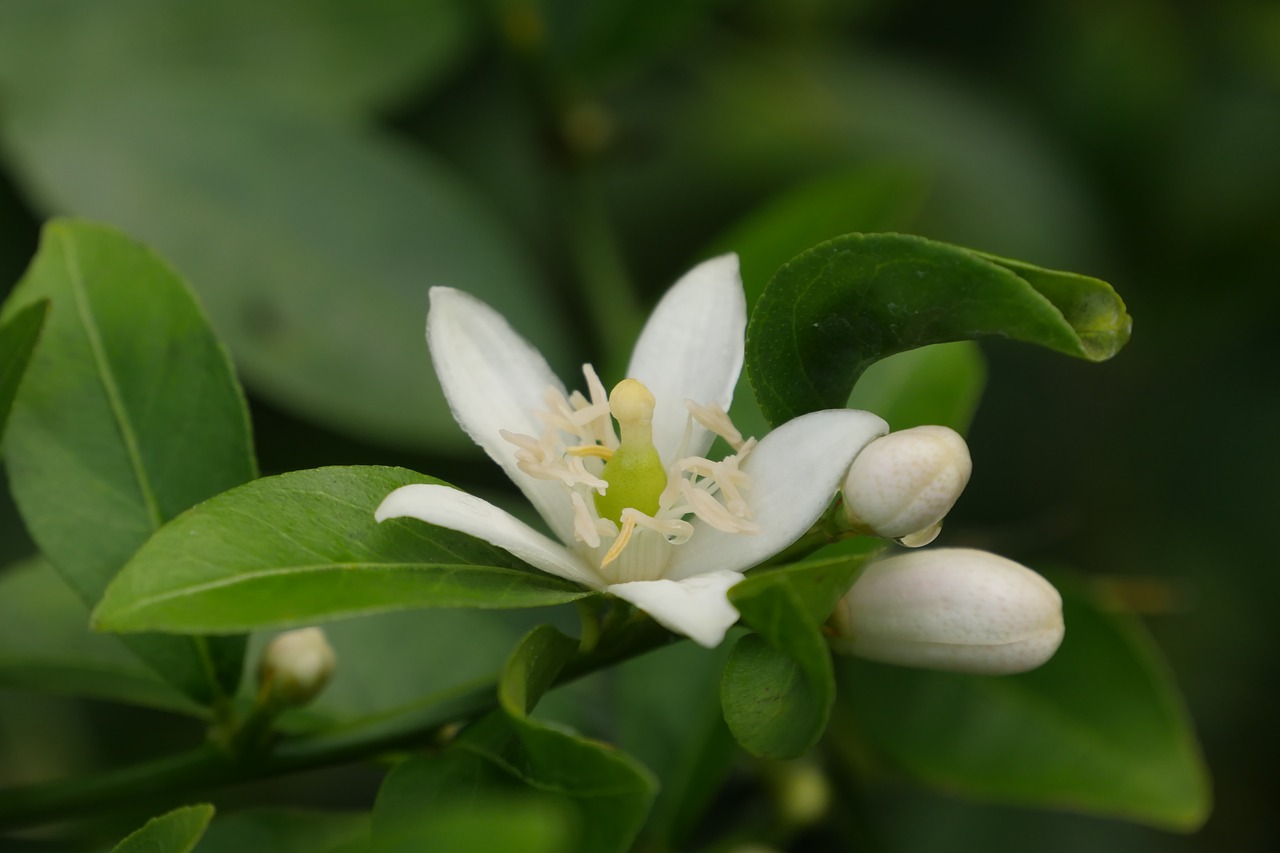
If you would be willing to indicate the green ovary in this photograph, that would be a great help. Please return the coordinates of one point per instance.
(635, 474)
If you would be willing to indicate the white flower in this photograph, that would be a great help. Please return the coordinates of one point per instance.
(955, 609)
(903, 484)
(644, 516)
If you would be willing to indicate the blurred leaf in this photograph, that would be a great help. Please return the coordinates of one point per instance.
(45, 644)
(778, 687)
(312, 243)
(460, 803)
(880, 197)
(1099, 729)
(175, 832)
(938, 384)
(743, 123)
(679, 734)
(129, 414)
(304, 547)
(611, 792)
(833, 311)
(322, 54)
(18, 338)
(283, 831)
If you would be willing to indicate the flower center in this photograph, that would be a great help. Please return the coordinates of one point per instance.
(634, 473)
(630, 510)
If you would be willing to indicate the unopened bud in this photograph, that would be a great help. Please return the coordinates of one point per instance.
(954, 609)
(903, 484)
(296, 666)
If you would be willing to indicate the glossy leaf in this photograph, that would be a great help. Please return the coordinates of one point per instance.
(283, 831)
(304, 547)
(128, 415)
(1099, 729)
(176, 832)
(18, 336)
(312, 243)
(778, 688)
(833, 311)
(46, 645)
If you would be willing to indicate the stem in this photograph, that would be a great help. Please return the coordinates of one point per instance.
(210, 766)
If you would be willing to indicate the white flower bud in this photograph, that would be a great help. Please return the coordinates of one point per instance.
(296, 666)
(954, 609)
(903, 484)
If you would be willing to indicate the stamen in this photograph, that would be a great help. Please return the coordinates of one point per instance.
(715, 419)
(714, 513)
(595, 450)
(624, 537)
(584, 527)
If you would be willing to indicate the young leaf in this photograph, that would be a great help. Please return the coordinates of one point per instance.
(175, 832)
(778, 686)
(304, 547)
(1100, 728)
(831, 312)
(128, 415)
(18, 338)
(610, 791)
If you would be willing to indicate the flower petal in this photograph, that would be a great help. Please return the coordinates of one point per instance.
(795, 472)
(696, 607)
(448, 507)
(494, 380)
(691, 348)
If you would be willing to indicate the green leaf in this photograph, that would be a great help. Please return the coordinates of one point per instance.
(310, 52)
(778, 688)
(610, 791)
(283, 831)
(459, 802)
(128, 415)
(175, 832)
(833, 311)
(312, 243)
(1099, 729)
(303, 547)
(46, 645)
(18, 338)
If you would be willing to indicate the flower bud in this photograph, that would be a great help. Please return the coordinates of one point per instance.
(296, 666)
(954, 609)
(903, 484)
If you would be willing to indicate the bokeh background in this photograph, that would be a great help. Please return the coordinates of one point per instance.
(312, 167)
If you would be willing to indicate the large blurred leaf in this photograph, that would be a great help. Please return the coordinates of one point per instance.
(18, 338)
(1100, 728)
(304, 547)
(325, 54)
(128, 415)
(45, 644)
(283, 831)
(175, 832)
(778, 687)
(548, 772)
(745, 123)
(312, 243)
(460, 803)
(836, 309)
